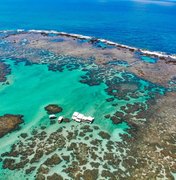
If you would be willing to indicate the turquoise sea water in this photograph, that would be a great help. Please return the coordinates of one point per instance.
(143, 23)
(34, 87)
(149, 59)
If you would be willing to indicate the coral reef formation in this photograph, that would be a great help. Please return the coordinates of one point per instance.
(9, 122)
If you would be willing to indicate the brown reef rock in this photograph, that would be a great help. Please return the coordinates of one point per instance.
(4, 71)
(53, 109)
(9, 122)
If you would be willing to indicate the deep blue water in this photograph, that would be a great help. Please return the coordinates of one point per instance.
(150, 25)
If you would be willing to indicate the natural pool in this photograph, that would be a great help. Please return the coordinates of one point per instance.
(148, 59)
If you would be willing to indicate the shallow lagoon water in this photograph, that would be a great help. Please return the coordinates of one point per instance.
(149, 59)
(34, 87)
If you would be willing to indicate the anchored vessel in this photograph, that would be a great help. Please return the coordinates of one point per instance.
(52, 116)
(78, 117)
(60, 119)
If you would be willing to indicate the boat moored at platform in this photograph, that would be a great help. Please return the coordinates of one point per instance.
(60, 119)
(52, 116)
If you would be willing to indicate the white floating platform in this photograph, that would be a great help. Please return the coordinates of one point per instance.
(78, 117)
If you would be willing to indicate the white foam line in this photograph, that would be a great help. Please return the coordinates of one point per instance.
(159, 54)
(20, 30)
(145, 52)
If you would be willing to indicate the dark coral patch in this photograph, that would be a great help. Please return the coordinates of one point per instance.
(53, 160)
(9, 123)
(4, 71)
(104, 135)
(53, 109)
(55, 176)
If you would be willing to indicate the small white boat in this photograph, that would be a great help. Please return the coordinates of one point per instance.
(78, 117)
(60, 119)
(52, 116)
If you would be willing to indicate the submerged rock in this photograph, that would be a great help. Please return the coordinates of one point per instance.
(4, 71)
(53, 109)
(43, 169)
(90, 174)
(55, 177)
(104, 135)
(37, 157)
(9, 122)
(24, 135)
(116, 120)
(54, 160)
(30, 170)
(66, 120)
(107, 116)
(40, 177)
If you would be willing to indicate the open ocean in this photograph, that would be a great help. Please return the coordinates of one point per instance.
(146, 24)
